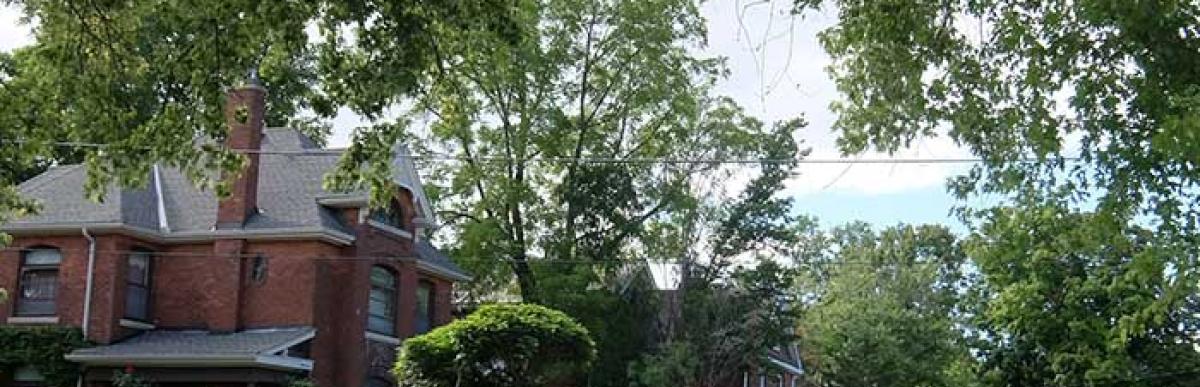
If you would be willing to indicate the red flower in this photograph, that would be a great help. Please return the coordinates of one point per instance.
(129, 368)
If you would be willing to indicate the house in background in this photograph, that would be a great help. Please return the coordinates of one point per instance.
(781, 366)
(280, 279)
(782, 369)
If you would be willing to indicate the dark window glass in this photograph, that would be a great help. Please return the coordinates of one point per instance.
(137, 286)
(27, 376)
(376, 381)
(38, 283)
(393, 215)
(424, 307)
(382, 305)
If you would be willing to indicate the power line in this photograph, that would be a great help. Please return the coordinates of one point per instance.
(374, 258)
(598, 160)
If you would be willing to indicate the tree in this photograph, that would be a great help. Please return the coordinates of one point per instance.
(884, 310)
(554, 181)
(144, 81)
(1026, 86)
(1082, 299)
(723, 330)
(1014, 81)
(498, 346)
(735, 300)
(608, 80)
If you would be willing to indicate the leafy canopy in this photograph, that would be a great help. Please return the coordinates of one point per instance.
(881, 308)
(521, 345)
(611, 79)
(147, 79)
(1071, 299)
(1115, 83)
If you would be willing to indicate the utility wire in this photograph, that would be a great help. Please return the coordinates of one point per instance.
(595, 160)
(555, 261)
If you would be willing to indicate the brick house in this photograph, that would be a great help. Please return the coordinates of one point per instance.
(280, 279)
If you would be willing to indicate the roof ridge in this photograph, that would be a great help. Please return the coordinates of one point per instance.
(42, 178)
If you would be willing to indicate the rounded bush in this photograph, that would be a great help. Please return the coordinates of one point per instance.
(519, 345)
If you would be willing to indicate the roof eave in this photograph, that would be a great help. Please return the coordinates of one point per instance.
(792, 368)
(344, 201)
(439, 271)
(281, 363)
(331, 236)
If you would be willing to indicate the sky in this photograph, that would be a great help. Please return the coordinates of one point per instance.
(777, 72)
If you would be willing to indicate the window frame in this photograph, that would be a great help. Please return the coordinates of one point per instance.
(147, 287)
(392, 216)
(20, 303)
(390, 302)
(425, 285)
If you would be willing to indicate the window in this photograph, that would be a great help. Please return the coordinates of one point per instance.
(382, 305)
(38, 283)
(393, 215)
(27, 376)
(137, 286)
(376, 381)
(424, 307)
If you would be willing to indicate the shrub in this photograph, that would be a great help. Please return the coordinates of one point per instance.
(499, 346)
(43, 348)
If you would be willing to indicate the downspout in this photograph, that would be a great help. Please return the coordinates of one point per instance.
(87, 292)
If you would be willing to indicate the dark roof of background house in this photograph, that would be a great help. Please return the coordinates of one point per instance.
(289, 186)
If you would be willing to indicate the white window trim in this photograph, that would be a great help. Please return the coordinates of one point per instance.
(33, 320)
(382, 338)
(135, 324)
(389, 228)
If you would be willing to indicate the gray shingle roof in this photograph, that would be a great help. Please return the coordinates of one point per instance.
(289, 188)
(431, 255)
(166, 343)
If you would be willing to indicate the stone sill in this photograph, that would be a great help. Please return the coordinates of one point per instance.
(134, 324)
(383, 338)
(33, 320)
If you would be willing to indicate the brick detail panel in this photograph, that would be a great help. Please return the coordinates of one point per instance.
(223, 286)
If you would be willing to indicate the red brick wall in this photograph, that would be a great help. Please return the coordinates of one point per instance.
(71, 274)
(209, 286)
(177, 280)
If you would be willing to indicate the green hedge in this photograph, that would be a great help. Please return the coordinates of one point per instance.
(499, 346)
(43, 348)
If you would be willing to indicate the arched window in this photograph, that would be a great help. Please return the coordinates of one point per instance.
(424, 307)
(381, 317)
(392, 215)
(39, 282)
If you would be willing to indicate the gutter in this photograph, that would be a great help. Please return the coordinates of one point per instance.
(292, 233)
(282, 363)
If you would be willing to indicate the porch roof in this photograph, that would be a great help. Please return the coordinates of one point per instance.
(261, 348)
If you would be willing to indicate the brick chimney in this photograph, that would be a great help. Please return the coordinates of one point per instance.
(244, 110)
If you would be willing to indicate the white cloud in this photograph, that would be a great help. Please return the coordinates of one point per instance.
(778, 72)
(880, 179)
(13, 34)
